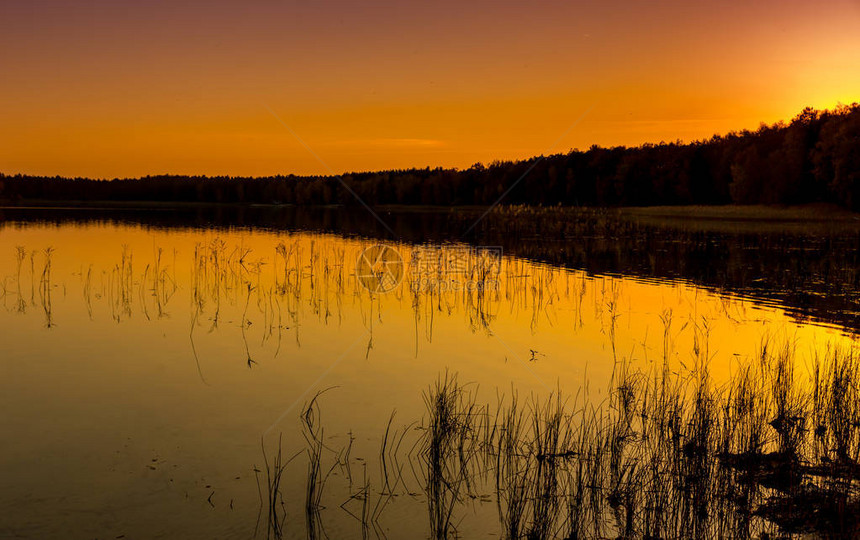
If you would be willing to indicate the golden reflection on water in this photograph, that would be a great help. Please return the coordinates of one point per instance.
(141, 366)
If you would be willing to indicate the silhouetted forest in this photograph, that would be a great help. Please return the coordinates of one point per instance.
(814, 158)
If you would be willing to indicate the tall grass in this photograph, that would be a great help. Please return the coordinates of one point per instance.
(664, 456)
(770, 453)
(274, 502)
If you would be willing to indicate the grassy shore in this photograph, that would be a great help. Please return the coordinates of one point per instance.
(819, 219)
(808, 212)
(759, 212)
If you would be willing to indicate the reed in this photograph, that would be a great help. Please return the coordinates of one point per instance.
(274, 503)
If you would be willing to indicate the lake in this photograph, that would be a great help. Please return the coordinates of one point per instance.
(234, 373)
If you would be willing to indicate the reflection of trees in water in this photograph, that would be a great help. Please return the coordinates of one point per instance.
(815, 274)
(811, 268)
(259, 297)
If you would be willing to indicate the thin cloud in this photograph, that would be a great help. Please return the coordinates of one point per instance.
(395, 143)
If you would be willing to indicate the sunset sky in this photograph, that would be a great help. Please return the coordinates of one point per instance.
(127, 88)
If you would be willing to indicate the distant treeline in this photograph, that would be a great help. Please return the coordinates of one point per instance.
(814, 158)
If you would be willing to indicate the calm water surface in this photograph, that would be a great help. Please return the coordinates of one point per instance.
(144, 369)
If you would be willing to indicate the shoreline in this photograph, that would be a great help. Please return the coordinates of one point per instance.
(807, 213)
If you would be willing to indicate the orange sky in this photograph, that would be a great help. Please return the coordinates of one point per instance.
(123, 88)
